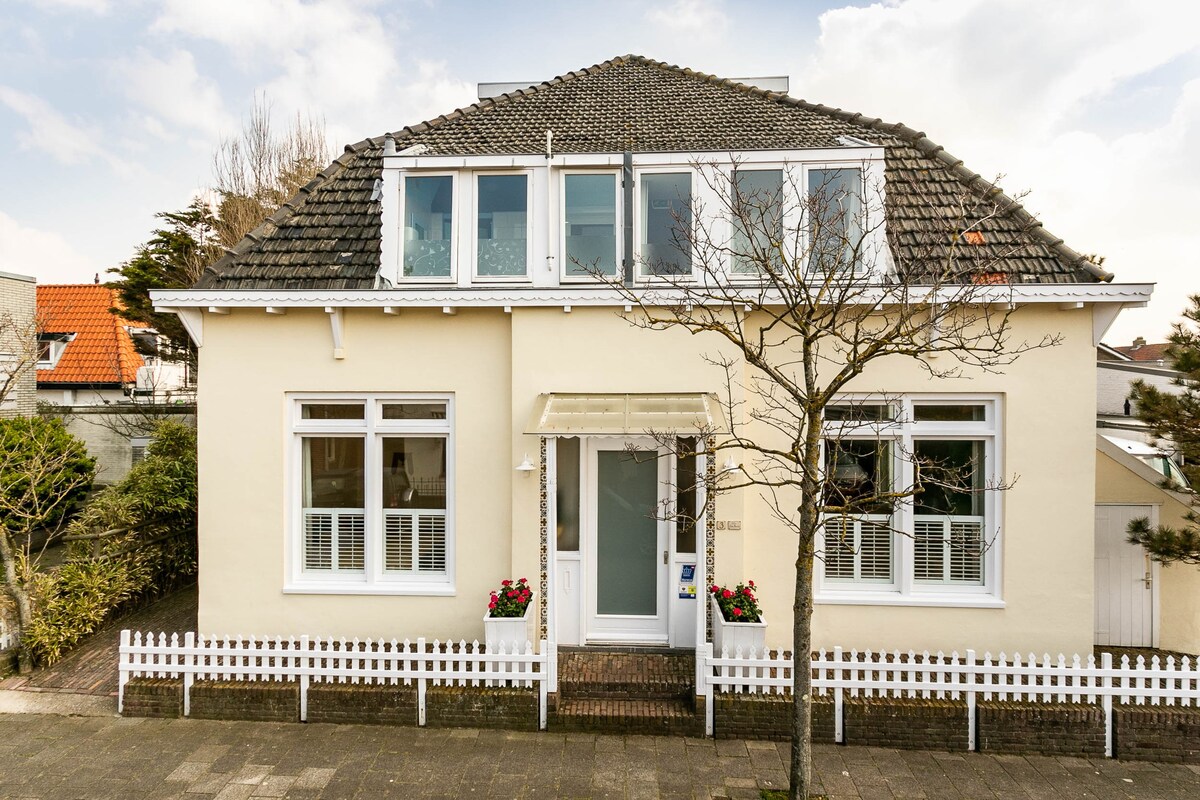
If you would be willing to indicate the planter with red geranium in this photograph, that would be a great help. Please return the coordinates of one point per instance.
(737, 620)
(509, 614)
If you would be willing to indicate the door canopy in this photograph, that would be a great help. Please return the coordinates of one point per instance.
(558, 414)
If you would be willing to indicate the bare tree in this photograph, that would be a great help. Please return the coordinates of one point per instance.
(801, 289)
(259, 170)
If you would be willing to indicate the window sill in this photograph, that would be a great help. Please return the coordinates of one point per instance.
(868, 598)
(333, 587)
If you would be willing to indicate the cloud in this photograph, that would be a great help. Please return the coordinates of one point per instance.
(67, 141)
(172, 90)
(700, 19)
(42, 254)
(94, 6)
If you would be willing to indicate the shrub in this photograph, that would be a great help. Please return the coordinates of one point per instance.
(738, 604)
(511, 600)
(45, 473)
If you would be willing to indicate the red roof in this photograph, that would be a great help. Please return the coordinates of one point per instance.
(101, 350)
(1145, 352)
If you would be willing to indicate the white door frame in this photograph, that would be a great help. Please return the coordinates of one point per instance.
(1153, 568)
(630, 629)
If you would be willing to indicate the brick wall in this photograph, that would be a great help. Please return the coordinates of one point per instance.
(472, 707)
(18, 343)
(153, 697)
(1065, 729)
(363, 704)
(757, 716)
(254, 700)
(1157, 733)
(906, 724)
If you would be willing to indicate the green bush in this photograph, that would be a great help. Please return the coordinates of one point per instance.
(157, 501)
(45, 473)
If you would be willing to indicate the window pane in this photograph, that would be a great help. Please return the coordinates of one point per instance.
(857, 471)
(331, 411)
(414, 472)
(835, 218)
(333, 516)
(590, 231)
(567, 496)
(950, 475)
(859, 412)
(944, 413)
(685, 492)
(414, 410)
(757, 219)
(666, 217)
(502, 224)
(428, 221)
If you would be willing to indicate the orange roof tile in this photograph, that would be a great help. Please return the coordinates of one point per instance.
(102, 350)
(1145, 352)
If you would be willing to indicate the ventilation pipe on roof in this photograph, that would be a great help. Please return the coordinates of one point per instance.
(627, 211)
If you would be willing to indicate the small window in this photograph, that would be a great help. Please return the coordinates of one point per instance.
(331, 411)
(666, 221)
(858, 475)
(859, 412)
(51, 347)
(757, 206)
(567, 494)
(403, 411)
(137, 448)
(502, 246)
(334, 518)
(835, 219)
(949, 413)
(428, 226)
(590, 224)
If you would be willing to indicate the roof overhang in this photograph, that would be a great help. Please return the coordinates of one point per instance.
(557, 414)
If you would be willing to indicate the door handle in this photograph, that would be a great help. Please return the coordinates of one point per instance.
(664, 556)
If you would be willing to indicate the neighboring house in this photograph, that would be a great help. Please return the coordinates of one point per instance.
(90, 372)
(1117, 369)
(412, 391)
(18, 345)
(1140, 603)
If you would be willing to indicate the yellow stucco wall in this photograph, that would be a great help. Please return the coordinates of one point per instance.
(1179, 584)
(497, 363)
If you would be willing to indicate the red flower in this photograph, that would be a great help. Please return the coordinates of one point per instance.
(522, 580)
(750, 584)
(737, 612)
(727, 594)
(746, 592)
(506, 583)
(492, 604)
(715, 588)
(512, 594)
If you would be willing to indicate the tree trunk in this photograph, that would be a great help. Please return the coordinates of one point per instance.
(21, 596)
(801, 766)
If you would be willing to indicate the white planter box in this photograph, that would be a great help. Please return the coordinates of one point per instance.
(512, 631)
(746, 635)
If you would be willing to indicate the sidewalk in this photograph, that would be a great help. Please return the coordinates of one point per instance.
(105, 758)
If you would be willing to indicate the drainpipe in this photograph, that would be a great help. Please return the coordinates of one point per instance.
(551, 221)
(627, 209)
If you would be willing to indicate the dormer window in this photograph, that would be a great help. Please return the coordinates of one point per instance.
(50, 348)
(428, 226)
(502, 226)
(665, 219)
(589, 223)
(758, 209)
(835, 219)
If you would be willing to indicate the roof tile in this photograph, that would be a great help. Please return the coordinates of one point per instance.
(102, 350)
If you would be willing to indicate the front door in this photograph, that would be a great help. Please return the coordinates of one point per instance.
(1125, 578)
(627, 542)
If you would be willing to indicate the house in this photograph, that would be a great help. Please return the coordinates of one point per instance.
(92, 372)
(1117, 369)
(18, 345)
(411, 390)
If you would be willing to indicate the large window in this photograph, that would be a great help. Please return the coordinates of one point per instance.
(590, 223)
(428, 226)
(910, 507)
(665, 220)
(757, 206)
(375, 499)
(502, 226)
(835, 219)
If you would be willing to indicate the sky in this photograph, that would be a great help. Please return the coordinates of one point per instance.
(110, 110)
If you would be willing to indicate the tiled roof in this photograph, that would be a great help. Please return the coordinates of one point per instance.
(328, 236)
(102, 350)
(1145, 352)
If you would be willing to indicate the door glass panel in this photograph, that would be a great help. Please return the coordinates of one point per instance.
(567, 495)
(627, 533)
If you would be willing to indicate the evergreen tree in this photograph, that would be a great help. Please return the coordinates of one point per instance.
(1174, 420)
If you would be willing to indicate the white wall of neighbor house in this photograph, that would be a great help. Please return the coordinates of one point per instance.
(1179, 584)
(18, 301)
(496, 364)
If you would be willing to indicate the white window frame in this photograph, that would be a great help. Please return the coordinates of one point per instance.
(58, 345)
(525, 276)
(640, 274)
(372, 429)
(791, 216)
(455, 223)
(874, 247)
(903, 430)
(619, 200)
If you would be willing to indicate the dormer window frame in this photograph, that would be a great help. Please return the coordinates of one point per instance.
(696, 186)
(565, 263)
(57, 346)
(874, 256)
(474, 177)
(455, 224)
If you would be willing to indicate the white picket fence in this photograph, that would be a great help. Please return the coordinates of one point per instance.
(314, 660)
(836, 673)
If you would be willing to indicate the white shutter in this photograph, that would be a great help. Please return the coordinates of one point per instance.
(966, 551)
(318, 541)
(432, 548)
(874, 550)
(927, 550)
(414, 542)
(948, 550)
(351, 542)
(839, 548)
(397, 542)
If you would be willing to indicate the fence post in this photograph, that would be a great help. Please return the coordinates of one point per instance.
(189, 670)
(706, 687)
(969, 680)
(1106, 683)
(421, 670)
(543, 686)
(123, 673)
(303, 664)
(839, 700)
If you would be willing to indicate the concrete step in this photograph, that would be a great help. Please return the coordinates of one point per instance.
(653, 717)
(626, 674)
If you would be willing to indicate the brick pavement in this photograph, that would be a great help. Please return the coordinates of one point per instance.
(105, 758)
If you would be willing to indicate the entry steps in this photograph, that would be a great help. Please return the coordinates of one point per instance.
(642, 690)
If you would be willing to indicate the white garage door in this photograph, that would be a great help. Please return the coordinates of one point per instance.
(1125, 580)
